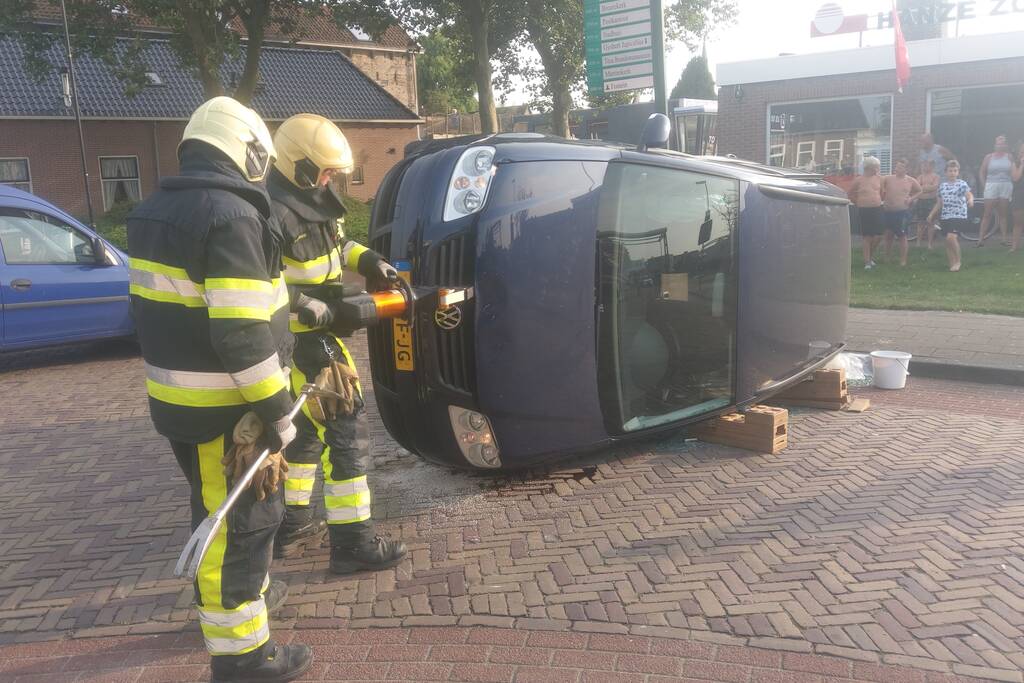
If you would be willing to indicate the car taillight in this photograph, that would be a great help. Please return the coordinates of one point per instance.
(470, 183)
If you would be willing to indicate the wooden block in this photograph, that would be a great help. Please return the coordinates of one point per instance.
(821, 403)
(823, 386)
(762, 428)
(858, 405)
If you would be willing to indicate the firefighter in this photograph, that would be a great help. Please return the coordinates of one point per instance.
(211, 308)
(312, 151)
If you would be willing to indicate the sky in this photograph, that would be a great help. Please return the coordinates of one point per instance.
(766, 28)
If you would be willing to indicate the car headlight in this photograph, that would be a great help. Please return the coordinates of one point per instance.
(470, 182)
(476, 440)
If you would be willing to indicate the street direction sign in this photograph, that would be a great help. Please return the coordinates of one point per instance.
(622, 39)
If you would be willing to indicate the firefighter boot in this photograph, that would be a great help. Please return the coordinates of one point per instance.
(300, 528)
(271, 663)
(356, 547)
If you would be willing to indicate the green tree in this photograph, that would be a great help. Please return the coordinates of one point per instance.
(696, 81)
(443, 77)
(482, 27)
(202, 33)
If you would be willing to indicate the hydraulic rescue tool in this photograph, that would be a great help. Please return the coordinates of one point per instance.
(353, 309)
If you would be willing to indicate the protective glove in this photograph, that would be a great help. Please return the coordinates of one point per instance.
(313, 312)
(382, 276)
(335, 394)
(249, 440)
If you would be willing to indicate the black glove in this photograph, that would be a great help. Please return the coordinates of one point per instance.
(382, 276)
(313, 312)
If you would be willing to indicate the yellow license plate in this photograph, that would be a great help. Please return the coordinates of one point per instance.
(402, 335)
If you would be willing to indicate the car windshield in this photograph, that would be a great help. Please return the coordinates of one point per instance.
(667, 294)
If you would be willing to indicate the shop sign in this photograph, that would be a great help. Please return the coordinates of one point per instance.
(831, 20)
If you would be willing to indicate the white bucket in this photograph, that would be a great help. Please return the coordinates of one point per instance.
(890, 368)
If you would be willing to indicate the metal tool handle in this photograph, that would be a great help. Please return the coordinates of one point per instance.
(195, 549)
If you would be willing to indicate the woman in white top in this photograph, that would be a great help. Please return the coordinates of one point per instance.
(995, 177)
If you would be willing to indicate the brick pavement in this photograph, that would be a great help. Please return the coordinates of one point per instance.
(970, 338)
(887, 538)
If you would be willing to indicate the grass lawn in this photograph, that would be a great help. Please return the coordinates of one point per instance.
(990, 281)
(111, 224)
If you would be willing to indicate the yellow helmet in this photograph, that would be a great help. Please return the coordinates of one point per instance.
(237, 131)
(307, 144)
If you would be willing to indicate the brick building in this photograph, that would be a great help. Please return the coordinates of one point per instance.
(130, 142)
(826, 111)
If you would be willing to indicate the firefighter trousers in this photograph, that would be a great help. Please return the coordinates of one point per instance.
(342, 445)
(234, 573)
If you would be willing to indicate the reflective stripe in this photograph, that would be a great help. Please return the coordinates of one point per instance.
(214, 487)
(235, 632)
(348, 515)
(351, 254)
(233, 618)
(311, 272)
(229, 297)
(165, 284)
(213, 389)
(347, 488)
(301, 471)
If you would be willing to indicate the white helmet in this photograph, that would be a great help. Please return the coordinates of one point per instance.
(235, 130)
(307, 144)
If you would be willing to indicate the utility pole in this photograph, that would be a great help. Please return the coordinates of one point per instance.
(658, 31)
(78, 111)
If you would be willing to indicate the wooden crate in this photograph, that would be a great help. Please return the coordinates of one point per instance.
(824, 389)
(762, 428)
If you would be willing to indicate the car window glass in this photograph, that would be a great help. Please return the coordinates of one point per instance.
(668, 296)
(29, 237)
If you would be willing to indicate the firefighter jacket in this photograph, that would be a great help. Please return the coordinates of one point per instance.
(209, 300)
(315, 247)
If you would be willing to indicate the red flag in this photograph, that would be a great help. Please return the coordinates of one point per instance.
(902, 57)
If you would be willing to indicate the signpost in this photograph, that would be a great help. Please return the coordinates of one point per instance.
(625, 47)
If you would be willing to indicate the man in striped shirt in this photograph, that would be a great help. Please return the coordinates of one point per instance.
(211, 308)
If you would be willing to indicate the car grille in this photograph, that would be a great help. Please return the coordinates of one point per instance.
(380, 336)
(453, 265)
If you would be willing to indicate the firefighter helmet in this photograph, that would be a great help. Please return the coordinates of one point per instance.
(235, 130)
(307, 144)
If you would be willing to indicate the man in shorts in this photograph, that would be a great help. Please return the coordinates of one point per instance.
(929, 181)
(899, 191)
(866, 195)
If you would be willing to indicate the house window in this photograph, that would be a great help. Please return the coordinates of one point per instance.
(776, 156)
(804, 153)
(120, 178)
(848, 129)
(357, 176)
(15, 172)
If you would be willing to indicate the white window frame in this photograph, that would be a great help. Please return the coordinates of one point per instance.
(28, 165)
(839, 156)
(801, 150)
(892, 112)
(780, 154)
(138, 178)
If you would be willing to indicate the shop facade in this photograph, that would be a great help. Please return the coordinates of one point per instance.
(826, 112)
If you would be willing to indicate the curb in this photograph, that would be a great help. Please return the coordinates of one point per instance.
(963, 372)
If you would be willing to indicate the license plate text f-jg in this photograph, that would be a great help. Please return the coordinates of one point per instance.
(402, 335)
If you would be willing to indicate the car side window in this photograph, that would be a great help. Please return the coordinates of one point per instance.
(29, 237)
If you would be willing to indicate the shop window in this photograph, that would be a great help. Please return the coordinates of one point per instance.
(120, 178)
(966, 121)
(831, 136)
(16, 173)
(357, 176)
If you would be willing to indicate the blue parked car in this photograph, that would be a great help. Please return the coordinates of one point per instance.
(59, 281)
(573, 295)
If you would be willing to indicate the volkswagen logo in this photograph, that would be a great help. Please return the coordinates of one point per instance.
(448, 318)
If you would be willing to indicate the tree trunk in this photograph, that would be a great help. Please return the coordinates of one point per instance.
(208, 70)
(479, 27)
(555, 71)
(561, 105)
(255, 20)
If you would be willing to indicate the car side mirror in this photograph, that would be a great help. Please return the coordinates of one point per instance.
(99, 252)
(705, 229)
(656, 132)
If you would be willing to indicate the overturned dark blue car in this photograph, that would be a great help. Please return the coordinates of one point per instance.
(576, 294)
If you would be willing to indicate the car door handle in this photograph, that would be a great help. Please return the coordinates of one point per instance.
(21, 284)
